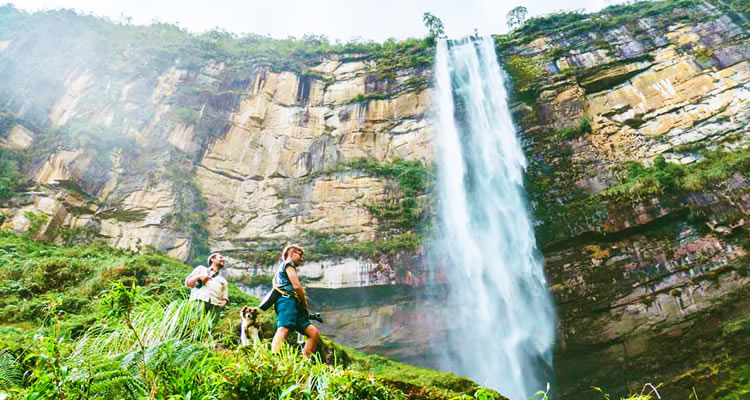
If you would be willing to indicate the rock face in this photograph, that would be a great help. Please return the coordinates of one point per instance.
(634, 126)
(645, 273)
(207, 154)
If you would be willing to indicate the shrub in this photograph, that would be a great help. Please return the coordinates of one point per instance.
(8, 174)
(584, 126)
(667, 178)
(36, 221)
(524, 72)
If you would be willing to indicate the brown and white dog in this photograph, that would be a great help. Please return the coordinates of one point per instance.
(250, 326)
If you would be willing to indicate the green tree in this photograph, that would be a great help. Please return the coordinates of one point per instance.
(435, 26)
(516, 17)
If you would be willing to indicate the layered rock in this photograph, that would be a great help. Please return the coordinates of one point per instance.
(257, 151)
(637, 262)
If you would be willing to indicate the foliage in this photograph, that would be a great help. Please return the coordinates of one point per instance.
(11, 373)
(413, 177)
(524, 72)
(663, 177)
(434, 26)
(584, 126)
(516, 17)
(36, 221)
(638, 396)
(8, 173)
(142, 339)
(405, 210)
(159, 44)
(330, 245)
(361, 98)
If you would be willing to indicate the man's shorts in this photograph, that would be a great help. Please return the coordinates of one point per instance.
(288, 316)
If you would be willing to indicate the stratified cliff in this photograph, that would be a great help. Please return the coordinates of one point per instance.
(149, 136)
(635, 123)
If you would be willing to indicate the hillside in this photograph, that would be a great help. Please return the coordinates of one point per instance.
(65, 316)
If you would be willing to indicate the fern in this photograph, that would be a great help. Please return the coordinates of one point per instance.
(11, 373)
(109, 379)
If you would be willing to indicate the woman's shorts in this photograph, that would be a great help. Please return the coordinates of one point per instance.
(289, 316)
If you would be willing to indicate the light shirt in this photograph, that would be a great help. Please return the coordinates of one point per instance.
(213, 291)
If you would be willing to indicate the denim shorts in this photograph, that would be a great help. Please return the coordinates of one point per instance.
(289, 316)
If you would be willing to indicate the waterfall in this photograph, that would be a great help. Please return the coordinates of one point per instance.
(499, 315)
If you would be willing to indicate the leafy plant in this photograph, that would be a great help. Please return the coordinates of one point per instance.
(663, 177)
(524, 72)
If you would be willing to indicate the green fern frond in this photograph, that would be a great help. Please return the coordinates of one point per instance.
(111, 380)
(11, 373)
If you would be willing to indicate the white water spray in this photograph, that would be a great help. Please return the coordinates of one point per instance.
(500, 316)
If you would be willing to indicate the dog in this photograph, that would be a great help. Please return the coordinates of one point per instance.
(250, 326)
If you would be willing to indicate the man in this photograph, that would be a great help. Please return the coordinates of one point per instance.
(208, 287)
(291, 306)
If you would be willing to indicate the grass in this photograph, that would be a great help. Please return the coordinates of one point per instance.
(98, 322)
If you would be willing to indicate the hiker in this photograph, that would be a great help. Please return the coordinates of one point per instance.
(291, 306)
(208, 287)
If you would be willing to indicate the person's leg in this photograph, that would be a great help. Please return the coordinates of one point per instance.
(313, 335)
(279, 338)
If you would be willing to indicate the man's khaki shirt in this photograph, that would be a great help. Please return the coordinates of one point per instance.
(213, 291)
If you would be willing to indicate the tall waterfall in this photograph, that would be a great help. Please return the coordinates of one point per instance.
(499, 316)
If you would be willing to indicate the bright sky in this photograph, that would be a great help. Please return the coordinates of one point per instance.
(338, 19)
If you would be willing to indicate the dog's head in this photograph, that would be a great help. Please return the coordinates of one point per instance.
(249, 313)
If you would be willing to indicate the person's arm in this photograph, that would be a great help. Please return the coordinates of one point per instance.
(196, 276)
(298, 289)
(225, 295)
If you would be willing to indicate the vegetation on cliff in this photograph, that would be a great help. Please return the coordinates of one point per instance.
(105, 323)
(567, 34)
(8, 174)
(160, 43)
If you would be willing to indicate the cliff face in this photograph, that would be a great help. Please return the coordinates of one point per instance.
(635, 126)
(634, 122)
(168, 140)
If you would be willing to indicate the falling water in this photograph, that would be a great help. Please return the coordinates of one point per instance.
(500, 317)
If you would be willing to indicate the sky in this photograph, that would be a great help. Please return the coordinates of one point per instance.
(337, 19)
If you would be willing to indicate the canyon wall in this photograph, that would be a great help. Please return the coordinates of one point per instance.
(635, 123)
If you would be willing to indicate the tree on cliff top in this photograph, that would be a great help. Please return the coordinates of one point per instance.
(435, 25)
(516, 17)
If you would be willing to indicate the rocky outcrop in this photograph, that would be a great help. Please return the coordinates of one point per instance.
(640, 209)
(257, 150)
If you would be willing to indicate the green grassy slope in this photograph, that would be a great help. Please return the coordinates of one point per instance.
(96, 322)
